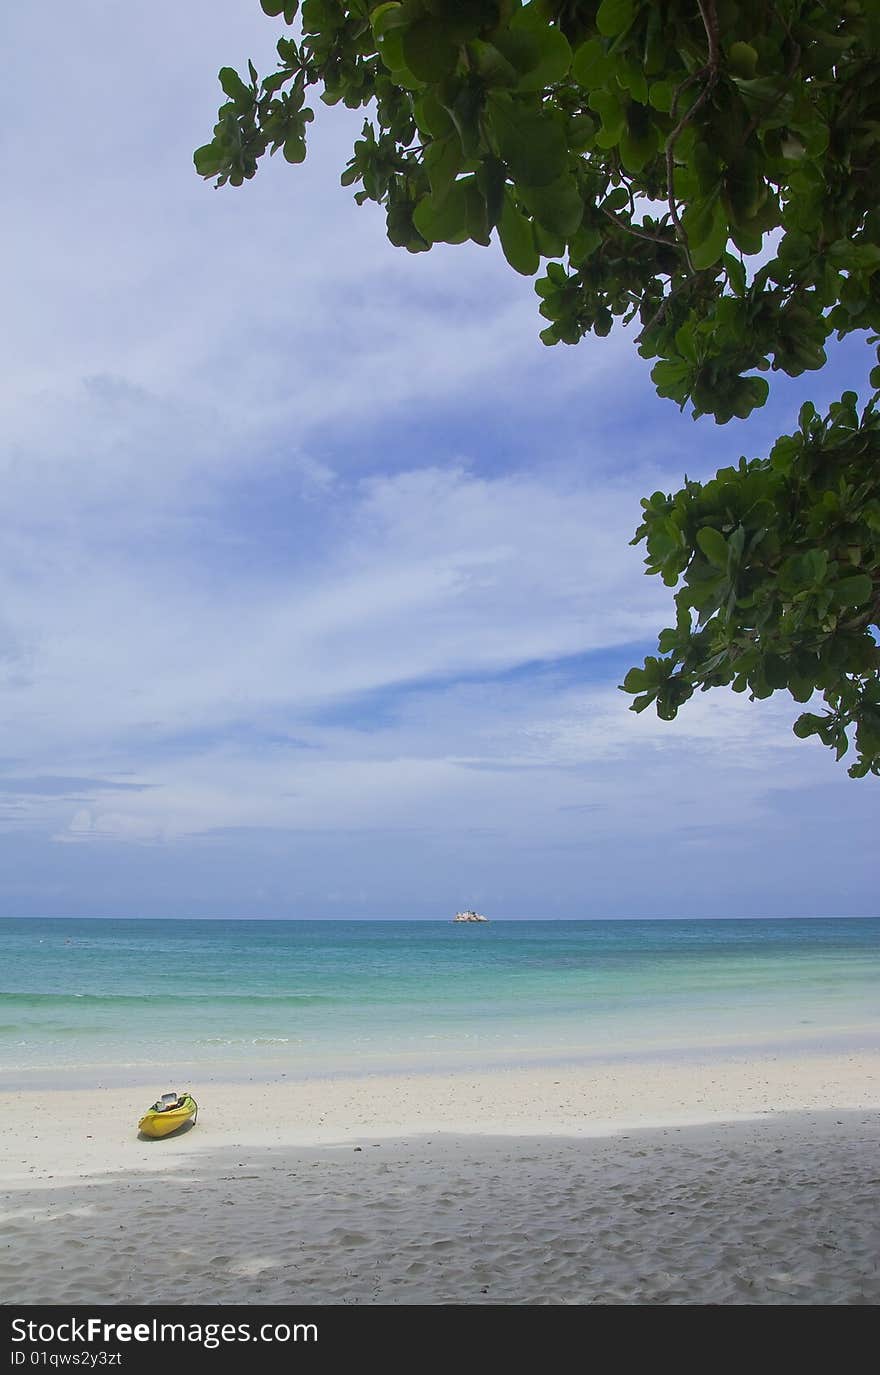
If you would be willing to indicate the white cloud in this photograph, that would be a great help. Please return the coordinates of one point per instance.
(432, 573)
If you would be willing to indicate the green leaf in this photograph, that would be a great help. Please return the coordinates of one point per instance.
(636, 680)
(275, 81)
(640, 703)
(443, 220)
(581, 133)
(631, 76)
(558, 207)
(776, 671)
(855, 257)
(661, 95)
(637, 145)
(209, 160)
(686, 342)
(618, 198)
(806, 415)
(492, 181)
(542, 56)
(295, 149)
(612, 112)
(548, 245)
(713, 545)
(390, 48)
(591, 66)
(742, 60)
(443, 161)
(583, 244)
(736, 544)
(672, 377)
(533, 145)
(432, 117)
(235, 88)
(769, 99)
(736, 274)
(807, 725)
(613, 16)
(854, 591)
(387, 16)
(429, 50)
(466, 110)
(491, 65)
(705, 224)
(399, 224)
(476, 214)
(517, 239)
(813, 566)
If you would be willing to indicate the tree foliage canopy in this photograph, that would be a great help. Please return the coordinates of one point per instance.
(642, 151)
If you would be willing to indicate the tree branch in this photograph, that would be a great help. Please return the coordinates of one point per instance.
(639, 233)
(663, 307)
(710, 24)
(709, 75)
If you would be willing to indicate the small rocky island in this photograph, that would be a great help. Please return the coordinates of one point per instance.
(469, 916)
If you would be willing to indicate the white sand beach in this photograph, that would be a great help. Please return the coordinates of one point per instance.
(746, 1181)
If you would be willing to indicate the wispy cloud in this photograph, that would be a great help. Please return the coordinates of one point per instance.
(48, 785)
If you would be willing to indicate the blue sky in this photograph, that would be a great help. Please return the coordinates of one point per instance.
(315, 583)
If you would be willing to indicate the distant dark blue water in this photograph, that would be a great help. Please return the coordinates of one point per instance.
(302, 998)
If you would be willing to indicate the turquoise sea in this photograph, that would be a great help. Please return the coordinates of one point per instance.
(104, 1001)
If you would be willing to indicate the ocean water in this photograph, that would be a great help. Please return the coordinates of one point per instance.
(102, 1001)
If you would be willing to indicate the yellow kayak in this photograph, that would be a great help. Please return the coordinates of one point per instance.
(168, 1113)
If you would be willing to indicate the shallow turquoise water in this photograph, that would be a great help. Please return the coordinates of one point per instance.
(301, 998)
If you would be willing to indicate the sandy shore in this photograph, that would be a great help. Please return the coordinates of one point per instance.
(739, 1181)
